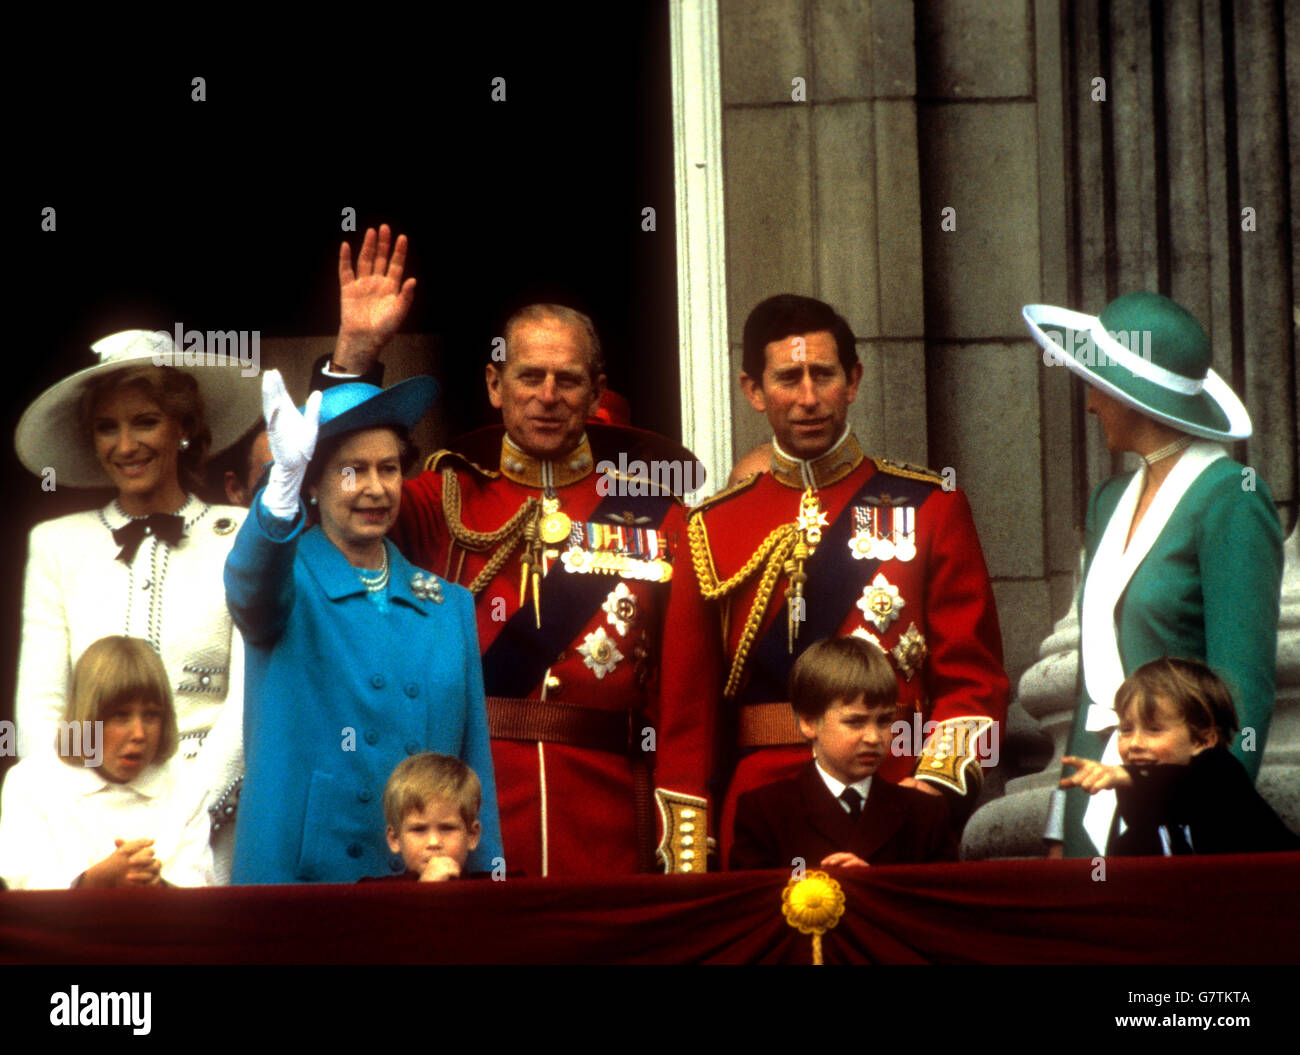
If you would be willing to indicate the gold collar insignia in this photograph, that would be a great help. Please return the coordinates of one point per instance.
(523, 468)
(828, 469)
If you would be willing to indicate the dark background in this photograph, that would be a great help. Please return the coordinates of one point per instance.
(226, 214)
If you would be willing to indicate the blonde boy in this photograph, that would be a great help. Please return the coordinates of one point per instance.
(431, 805)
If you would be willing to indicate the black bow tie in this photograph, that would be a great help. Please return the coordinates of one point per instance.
(167, 526)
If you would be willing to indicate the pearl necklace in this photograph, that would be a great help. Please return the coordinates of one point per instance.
(379, 581)
(1167, 451)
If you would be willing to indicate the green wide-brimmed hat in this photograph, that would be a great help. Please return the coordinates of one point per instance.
(1148, 352)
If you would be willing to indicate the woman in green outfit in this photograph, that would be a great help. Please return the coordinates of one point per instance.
(1182, 557)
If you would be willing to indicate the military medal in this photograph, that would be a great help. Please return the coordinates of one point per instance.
(862, 543)
(882, 548)
(555, 526)
(880, 602)
(889, 541)
(583, 562)
(614, 549)
(904, 532)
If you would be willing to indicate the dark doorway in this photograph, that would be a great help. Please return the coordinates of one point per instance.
(225, 214)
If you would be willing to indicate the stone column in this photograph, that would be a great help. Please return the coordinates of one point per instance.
(822, 192)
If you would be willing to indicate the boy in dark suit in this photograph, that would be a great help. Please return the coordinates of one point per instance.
(1179, 789)
(835, 812)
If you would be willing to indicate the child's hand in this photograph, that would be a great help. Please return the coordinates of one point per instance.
(1094, 777)
(131, 864)
(439, 869)
(143, 868)
(843, 859)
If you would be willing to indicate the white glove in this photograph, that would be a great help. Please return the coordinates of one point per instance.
(292, 437)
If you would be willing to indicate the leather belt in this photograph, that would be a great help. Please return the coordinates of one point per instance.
(617, 732)
(770, 725)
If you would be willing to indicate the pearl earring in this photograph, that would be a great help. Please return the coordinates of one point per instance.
(185, 443)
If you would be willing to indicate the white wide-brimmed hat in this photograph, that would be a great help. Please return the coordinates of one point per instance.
(1147, 352)
(49, 434)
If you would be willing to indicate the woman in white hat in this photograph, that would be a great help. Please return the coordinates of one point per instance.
(356, 658)
(149, 563)
(1183, 557)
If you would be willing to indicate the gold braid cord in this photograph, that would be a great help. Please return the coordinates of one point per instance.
(506, 538)
(772, 555)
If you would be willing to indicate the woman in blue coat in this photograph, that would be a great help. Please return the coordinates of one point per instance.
(355, 658)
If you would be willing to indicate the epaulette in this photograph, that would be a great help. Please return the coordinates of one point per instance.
(725, 493)
(912, 472)
(445, 457)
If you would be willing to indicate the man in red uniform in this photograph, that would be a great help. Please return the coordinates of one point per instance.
(830, 542)
(570, 557)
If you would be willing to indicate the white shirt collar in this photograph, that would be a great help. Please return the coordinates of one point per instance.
(115, 516)
(151, 783)
(836, 787)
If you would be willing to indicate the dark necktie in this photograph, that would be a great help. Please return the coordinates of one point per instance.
(853, 800)
(167, 526)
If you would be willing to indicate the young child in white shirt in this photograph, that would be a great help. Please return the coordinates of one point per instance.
(105, 808)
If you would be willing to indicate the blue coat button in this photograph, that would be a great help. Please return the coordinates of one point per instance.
(411, 689)
(377, 680)
(372, 738)
(364, 795)
(412, 747)
(355, 850)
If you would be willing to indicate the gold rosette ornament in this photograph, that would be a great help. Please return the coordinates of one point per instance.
(813, 905)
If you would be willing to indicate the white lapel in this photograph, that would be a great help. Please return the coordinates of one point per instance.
(1112, 568)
